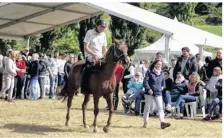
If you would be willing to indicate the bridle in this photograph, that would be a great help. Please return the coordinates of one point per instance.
(116, 56)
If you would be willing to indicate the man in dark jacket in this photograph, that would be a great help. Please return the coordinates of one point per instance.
(186, 64)
(68, 65)
(217, 62)
(43, 70)
(204, 70)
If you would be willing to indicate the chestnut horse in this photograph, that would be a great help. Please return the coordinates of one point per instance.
(101, 83)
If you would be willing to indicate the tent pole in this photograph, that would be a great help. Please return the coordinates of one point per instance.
(27, 45)
(167, 51)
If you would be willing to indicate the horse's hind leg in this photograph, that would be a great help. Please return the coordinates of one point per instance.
(69, 104)
(109, 103)
(96, 111)
(84, 104)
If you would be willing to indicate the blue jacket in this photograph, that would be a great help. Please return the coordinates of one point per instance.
(154, 82)
(135, 86)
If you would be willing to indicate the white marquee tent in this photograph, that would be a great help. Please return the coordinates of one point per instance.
(174, 48)
(22, 20)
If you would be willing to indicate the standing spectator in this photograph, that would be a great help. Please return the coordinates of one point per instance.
(141, 68)
(1, 70)
(33, 75)
(159, 56)
(173, 64)
(9, 74)
(199, 62)
(118, 75)
(61, 63)
(80, 56)
(54, 78)
(154, 84)
(217, 62)
(43, 70)
(186, 64)
(68, 65)
(20, 77)
(204, 70)
(129, 73)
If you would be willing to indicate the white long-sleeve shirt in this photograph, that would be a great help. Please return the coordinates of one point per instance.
(131, 69)
(10, 67)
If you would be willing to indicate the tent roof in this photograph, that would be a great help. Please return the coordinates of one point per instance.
(18, 20)
(174, 47)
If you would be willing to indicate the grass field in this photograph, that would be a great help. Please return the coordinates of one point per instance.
(46, 118)
(212, 29)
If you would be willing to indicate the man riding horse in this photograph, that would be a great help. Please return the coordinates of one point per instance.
(95, 47)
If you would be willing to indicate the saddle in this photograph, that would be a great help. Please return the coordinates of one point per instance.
(87, 69)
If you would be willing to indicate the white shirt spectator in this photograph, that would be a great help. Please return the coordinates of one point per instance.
(132, 72)
(61, 64)
(142, 69)
(53, 67)
(10, 67)
(96, 42)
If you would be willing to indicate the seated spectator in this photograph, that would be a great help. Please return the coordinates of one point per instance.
(168, 81)
(195, 88)
(135, 87)
(179, 87)
(210, 87)
(215, 102)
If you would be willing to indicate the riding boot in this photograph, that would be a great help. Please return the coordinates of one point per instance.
(85, 71)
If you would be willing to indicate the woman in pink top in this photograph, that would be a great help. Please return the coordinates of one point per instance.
(195, 89)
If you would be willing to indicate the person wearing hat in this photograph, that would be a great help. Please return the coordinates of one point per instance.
(135, 87)
(95, 47)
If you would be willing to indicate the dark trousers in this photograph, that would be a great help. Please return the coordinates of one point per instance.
(116, 97)
(125, 85)
(41, 81)
(27, 86)
(19, 83)
(60, 79)
(1, 80)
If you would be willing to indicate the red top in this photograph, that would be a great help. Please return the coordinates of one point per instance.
(21, 65)
(118, 72)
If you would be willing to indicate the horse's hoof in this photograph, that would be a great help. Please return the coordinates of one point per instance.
(66, 124)
(105, 129)
(86, 126)
(95, 130)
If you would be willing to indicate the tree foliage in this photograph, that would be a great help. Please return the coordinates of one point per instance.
(131, 32)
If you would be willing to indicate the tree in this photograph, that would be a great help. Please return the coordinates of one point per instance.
(130, 32)
(183, 11)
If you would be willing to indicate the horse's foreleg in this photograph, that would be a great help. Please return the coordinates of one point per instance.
(69, 104)
(96, 111)
(84, 105)
(109, 103)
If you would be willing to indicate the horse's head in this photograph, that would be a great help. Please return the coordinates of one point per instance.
(118, 51)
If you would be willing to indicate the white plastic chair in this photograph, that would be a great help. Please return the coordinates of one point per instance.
(193, 108)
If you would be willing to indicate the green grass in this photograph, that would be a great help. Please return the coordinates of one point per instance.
(212, 29)
(46, 118)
